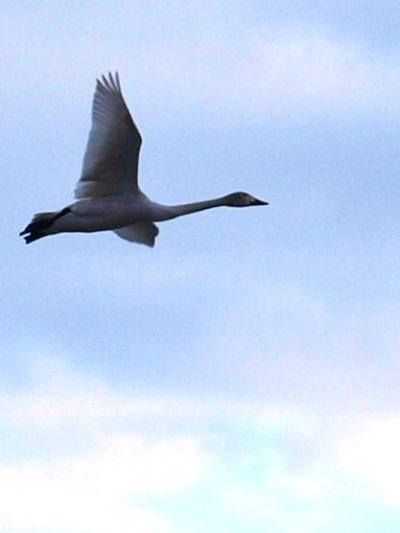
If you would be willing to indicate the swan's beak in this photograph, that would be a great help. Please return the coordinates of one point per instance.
(259, 202)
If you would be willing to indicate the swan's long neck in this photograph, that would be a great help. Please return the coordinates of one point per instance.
(167, 212)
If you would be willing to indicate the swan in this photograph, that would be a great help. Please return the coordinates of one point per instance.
(107, 193)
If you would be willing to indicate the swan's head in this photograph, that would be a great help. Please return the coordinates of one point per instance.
(242, 199)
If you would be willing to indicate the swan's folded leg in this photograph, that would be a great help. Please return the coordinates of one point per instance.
(41, 224)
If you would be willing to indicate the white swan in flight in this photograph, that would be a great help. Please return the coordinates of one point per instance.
(108, 195)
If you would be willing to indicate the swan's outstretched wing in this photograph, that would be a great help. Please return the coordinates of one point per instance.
(141, 232)
(111, 159)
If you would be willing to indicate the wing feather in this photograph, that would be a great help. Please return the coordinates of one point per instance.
(141, 232)
(110, 162)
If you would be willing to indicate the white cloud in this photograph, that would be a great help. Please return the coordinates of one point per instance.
(278, 457)
(59, 397)
(259, 73)
(353, 473)
(287, 504)
(89, 477)
(85, 475)
(95, 492)
(299, 70)
(290, 420)
(283, 73)
(369, 457)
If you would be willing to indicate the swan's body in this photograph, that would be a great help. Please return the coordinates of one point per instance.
(107, 193)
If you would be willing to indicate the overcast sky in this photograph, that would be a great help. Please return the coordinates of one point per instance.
(243, 375)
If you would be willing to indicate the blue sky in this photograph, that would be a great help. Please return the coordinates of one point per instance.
(242, 376)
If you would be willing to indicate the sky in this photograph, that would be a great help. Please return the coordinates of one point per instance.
(242, 376)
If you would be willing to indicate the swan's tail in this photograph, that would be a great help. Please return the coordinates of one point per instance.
(40, 225)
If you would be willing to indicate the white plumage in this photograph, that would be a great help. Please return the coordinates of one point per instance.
(110, 163)
(107, 193)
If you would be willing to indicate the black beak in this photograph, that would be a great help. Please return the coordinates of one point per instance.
(259, 202)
